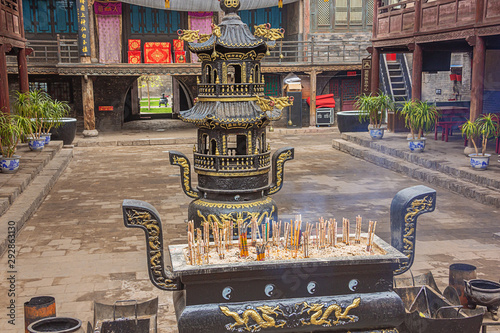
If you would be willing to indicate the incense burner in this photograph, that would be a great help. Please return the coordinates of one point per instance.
(232, 156)
(327, 294)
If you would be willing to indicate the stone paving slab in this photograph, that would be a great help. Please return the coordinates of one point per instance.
(447, 169)
(76, 248)
(30, 199)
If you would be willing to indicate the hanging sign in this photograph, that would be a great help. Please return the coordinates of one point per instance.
(366, 76)
(107, 8)
(83, 28)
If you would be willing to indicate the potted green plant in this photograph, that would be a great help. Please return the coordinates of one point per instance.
(484, 127)
(374, 108)
(12, 128)
(33, 105)
(419, 117)
(54, 113)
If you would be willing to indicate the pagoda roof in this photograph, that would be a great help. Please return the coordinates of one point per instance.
(224, 113)
(234, 35)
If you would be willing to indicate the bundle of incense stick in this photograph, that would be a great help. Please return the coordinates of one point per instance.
(357, 237)
(199, 249)
(206, 239)
(345, 231)
(218, 239)
(371, 233)
(242, 237)
(191, 242)
(261, 252)
(254, 226)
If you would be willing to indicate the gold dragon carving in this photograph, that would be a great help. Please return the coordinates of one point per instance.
(264, 104)
(189, 35)
(279, 170)
(203, 38)
(153, 232)
(186, 173)
(263, 319)
(282, 102)
(320, 318)
(265, 31)
(221, 218)
(416, 208)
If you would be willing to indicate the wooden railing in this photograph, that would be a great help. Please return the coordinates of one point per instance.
(317, 52)
(406, 18)
(51, 52)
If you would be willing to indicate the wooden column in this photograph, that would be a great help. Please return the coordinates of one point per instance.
(479, 11)
(376, 4)
(418, 15)
(416, 76)
(375, 70)
(312, 106)
(4, 79)
(88, 107)
(477, 88)
(22, 66)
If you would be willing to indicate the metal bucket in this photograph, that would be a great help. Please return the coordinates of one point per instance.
(38, 308)
(459, 273)
(56, 325)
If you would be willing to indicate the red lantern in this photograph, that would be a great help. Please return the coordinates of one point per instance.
(453, 77)
(459, 78)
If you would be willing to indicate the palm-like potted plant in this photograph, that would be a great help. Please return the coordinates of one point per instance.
(484, 127)
(374, 108)
(54, 113)
(12, 128)
(419, 117)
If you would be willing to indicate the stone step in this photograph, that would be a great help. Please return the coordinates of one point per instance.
(467, 175)
(28, 201)
(418, 169)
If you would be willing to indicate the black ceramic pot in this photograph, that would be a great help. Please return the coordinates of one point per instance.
(66, 132)
(348, 121)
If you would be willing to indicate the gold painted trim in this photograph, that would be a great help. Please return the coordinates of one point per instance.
(203, 203)
(227, 99)
(232, 174)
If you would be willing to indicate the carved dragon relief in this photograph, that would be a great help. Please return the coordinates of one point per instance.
(177, 158)
(140, 214)
(265, 31)
(255, 318)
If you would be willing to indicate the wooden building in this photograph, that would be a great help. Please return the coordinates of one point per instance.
(431, 31)
(82, 52)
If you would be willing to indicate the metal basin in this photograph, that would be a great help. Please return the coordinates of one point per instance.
(483, 292)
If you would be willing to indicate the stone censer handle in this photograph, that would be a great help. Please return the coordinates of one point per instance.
(140, 214)
(406, 206)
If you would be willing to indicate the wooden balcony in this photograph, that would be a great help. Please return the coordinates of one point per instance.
(61, 56)
(11, 23)
(413, 18)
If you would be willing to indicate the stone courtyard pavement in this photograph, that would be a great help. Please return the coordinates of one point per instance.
(77, 249)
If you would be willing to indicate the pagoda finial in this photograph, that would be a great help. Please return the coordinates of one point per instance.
(230, 6)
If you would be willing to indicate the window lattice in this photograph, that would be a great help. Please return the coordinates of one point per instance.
(369, 12)
(323, 13)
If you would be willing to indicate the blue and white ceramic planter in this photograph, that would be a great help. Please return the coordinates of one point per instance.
(36, 144)
(46, 136)
(9, 164)
(479, 162)
(416, 145)
(376, 133)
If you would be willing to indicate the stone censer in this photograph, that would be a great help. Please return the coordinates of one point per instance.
(232, 160)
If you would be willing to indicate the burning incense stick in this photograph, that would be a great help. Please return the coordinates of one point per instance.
(357, 237)
(371, 234)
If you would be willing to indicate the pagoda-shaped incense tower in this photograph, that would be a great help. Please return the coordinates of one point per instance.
(232, 157)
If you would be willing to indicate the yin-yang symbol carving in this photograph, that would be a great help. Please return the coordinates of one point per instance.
(269, 290)
(311, 287)
(227, 293)
(353, 284)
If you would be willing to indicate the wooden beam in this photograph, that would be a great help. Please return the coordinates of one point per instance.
(375, 70)
(88, 105)
(4, 87)
(477, 88)
(22, 66)
(416, 85)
